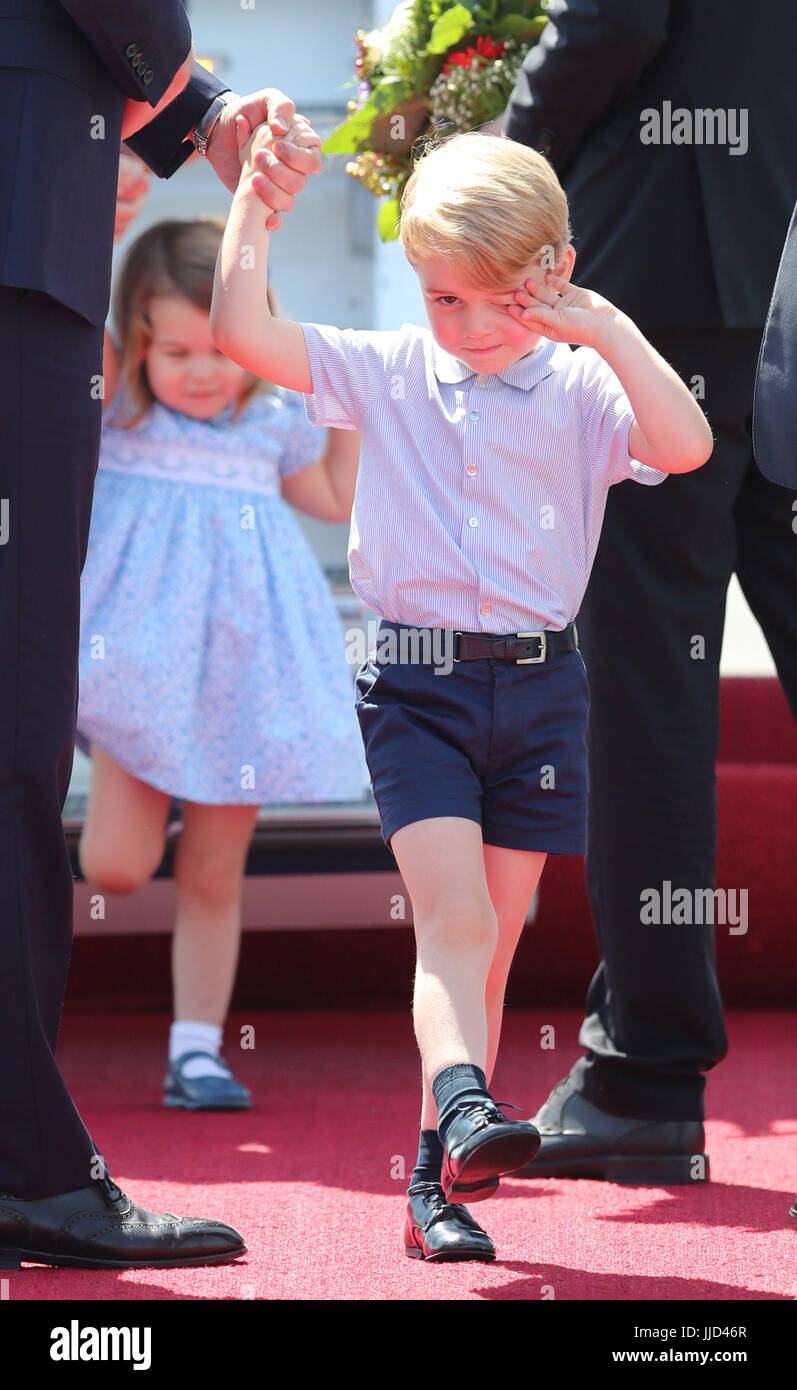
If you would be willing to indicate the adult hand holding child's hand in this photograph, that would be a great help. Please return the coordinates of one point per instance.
(278, 166)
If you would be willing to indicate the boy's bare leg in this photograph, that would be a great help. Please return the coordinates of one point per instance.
(512, 878)
(441, 860)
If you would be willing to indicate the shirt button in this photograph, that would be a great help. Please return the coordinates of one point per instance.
(473, 521)
(471, 470)
(481, 379)
(474, 415)
(486, 608)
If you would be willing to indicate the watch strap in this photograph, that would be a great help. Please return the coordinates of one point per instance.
(163, 143)
(204, 126)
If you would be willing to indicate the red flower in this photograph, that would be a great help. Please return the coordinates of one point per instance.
(485, 49)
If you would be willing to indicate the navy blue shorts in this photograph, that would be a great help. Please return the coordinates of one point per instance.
(501, 744)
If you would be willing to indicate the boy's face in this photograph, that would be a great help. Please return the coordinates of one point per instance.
(473, 324)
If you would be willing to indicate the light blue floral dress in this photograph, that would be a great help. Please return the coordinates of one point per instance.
(212, 655)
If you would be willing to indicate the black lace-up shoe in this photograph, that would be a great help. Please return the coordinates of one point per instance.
(480, 1145)
(581, 1141)
(98, 1227)
(434, 1230)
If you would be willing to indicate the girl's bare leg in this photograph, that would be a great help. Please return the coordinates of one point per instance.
(123, 836)
(209, 873)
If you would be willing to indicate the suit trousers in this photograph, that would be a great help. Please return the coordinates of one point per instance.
(50, 418)
(650, 630)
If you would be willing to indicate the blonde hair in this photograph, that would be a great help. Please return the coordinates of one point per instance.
(487, 204)
(170, 258)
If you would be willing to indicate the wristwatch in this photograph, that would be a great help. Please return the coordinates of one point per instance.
(204, 127)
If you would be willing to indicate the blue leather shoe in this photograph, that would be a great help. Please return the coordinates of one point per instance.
(204, 1092)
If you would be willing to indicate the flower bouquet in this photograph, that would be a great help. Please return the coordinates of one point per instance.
(437, 68)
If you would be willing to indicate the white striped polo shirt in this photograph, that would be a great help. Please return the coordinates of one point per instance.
(479, 497)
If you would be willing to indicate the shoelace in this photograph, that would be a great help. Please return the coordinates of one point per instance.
(484, 1112)
(433, 1193)
(442, 1210)
(115, 1195)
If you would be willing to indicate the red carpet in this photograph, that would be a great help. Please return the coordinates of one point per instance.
(307, 1174)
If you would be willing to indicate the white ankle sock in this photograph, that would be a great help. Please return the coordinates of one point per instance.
(190, 1035)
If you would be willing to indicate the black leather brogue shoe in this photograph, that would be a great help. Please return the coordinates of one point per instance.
(581, 1141)
(98, 1227)
(434, 1230)
(480, 1145)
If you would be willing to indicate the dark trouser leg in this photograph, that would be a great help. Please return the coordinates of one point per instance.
(654, 1015)
(49, 433)
(766, 568)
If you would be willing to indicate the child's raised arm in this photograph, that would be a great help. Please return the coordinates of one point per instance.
(241, 323)
(670, 432)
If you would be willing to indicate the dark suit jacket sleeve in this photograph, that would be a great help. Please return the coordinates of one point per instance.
(589, 58)
(162, 144)
(775, 396)
(158, 29)
(161, 35)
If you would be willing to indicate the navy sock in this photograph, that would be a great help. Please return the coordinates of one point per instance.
(462, 1081)
(430, 1159)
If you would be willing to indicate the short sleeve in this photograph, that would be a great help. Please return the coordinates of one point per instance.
(302, 443)
(606, 419)
(350, 367)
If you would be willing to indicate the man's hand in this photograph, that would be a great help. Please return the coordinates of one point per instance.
(291, 165)
(275, 183)
(131, 191)
(563, 312)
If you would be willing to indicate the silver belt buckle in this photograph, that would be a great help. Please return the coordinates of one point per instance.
(533, 660)
(456, 635)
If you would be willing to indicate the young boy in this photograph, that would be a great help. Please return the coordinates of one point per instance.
(488, 447)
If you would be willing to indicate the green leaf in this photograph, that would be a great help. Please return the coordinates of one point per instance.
(449, 29)
(517, 26)
(352, 134)
(387, 222)
(474, 7)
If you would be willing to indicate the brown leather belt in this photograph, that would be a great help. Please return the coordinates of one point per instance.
(523, 648)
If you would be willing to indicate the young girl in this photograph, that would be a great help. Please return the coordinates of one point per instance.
(493, 445)
(212, 660)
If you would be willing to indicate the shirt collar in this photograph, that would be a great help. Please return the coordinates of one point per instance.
(525, 373)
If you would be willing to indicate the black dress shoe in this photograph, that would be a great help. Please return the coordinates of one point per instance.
(480, 1145)
(98, 1227)
(436, 1231)
(581, 1141)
